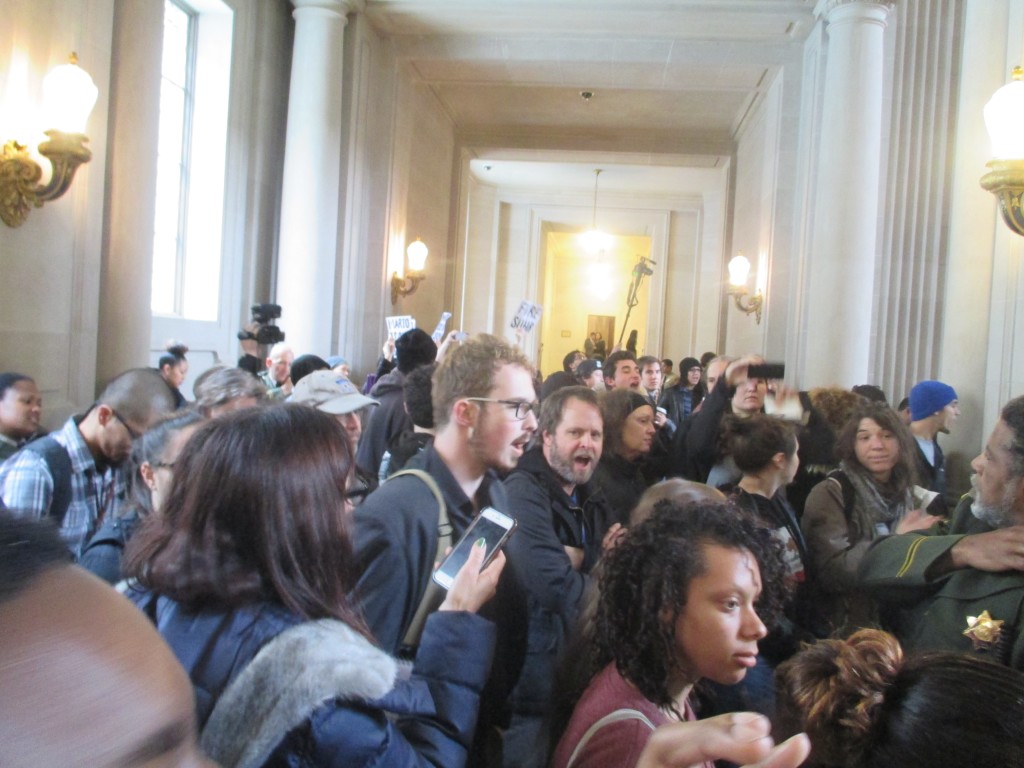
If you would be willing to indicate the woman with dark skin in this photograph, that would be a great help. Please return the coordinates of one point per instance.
(174, 368)
(680, 597)
(246, 573)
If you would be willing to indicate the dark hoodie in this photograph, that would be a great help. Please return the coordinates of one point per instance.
(386, 421)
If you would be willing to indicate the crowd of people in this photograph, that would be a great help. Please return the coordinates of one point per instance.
(702, 565)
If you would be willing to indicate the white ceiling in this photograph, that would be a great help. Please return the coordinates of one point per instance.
(672, 80)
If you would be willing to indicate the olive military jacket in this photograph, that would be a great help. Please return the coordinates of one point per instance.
(932, 612)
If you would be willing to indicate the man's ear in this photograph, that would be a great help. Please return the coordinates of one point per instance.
(104, 413)
(464, 413)
(547, 438)
(148, 475)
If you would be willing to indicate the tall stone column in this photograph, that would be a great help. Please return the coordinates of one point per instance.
(841, 263)
(311, 190)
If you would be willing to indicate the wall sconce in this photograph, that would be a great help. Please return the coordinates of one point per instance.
(68, 97)
(739, 269)
(416, 255)
(1004, 119)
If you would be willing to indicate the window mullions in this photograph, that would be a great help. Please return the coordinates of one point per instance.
(185, 160)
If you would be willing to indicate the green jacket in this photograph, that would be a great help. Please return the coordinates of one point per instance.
(929, 612)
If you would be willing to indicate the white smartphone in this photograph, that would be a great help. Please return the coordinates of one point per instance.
(493, 527)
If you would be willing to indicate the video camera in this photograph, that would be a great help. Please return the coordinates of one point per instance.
(264, 315)
(641, 267)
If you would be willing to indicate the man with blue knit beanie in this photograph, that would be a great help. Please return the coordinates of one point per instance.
(934, 408)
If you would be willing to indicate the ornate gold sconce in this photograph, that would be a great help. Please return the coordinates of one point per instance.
(68, 97)
(415, 273)
(739, 270)
(1004, 119)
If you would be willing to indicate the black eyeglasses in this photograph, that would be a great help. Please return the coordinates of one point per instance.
(522, 409)
(135, 435)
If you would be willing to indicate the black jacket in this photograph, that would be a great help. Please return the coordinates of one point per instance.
(386, 420)
(548, 521)
(622, 483)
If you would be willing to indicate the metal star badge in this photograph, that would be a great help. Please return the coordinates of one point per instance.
(983, 630)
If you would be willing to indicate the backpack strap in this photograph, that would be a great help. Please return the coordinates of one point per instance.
(434, 594)
(849, 495)
(58, 463)
(612, 717)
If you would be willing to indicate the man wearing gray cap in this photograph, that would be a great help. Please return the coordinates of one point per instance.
(332, 393)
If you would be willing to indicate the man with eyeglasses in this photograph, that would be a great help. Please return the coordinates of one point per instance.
(73, 477)
(484, 415)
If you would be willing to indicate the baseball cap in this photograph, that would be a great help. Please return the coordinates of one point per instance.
(587, 367)
(331, 393)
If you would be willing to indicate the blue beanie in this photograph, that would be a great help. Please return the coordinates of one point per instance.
(927, 397)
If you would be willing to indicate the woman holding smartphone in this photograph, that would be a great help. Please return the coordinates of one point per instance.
(680, 597)
(246, 574)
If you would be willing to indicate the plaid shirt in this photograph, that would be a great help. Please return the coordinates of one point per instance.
(26, 487)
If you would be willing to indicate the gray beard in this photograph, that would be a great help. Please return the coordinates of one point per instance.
(997, 515)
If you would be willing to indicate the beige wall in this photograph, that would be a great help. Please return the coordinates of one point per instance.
(50, 266)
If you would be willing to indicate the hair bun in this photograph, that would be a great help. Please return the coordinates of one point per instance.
(837, 689)
(176, 348)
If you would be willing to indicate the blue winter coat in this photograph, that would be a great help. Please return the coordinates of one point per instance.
(301, 693)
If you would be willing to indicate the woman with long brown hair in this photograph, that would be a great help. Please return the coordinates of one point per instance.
(870, 495)
(246, 574)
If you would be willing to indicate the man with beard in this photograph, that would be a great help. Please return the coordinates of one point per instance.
(74, 477)
(963, 590)
(562, 520)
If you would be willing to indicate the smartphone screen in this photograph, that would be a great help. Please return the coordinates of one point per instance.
(490, 525)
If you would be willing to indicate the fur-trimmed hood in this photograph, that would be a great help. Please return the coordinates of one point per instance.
(302, 668)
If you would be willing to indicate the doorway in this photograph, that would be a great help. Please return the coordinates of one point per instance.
(604, 327)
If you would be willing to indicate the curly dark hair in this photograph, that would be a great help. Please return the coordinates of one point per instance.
(646, 578)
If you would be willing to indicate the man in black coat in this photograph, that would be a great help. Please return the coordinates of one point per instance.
(562, 523)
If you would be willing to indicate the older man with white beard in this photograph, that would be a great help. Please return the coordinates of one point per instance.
(563, 523)
(963, 589)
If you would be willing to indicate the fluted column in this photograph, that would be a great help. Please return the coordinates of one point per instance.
(311, 189)
(841, 263)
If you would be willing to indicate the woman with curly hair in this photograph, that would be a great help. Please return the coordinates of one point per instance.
(679, 602)
(870, 495)
(866, 705)
(173, 366)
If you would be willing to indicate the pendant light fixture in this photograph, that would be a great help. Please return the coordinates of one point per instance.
(595, 241)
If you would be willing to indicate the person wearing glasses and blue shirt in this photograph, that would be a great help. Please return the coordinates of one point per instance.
(485, 412)
(74, 477)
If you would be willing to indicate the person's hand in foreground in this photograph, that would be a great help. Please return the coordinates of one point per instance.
(740, 737)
